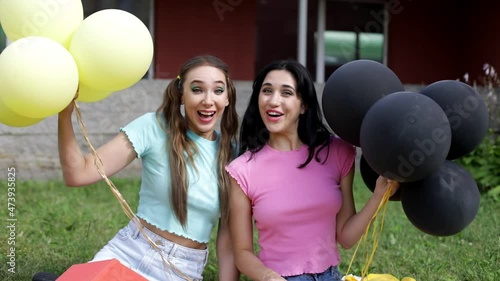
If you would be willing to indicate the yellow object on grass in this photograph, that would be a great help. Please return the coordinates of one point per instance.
(378, 224)
(376, 277)
(380, 277)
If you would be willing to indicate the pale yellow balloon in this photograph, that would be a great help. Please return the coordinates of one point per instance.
(380, 277)
(113, 50)
(10, 118)
(87, 94)
(54, 19)
(38, 77)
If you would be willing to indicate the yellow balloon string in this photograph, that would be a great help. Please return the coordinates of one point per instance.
(123, 203)
(377, 230)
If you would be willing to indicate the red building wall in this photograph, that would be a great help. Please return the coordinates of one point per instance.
(428, 40)
(481, 37)
(437, 40)
(424, 44)
(276, 31)
(224, 28)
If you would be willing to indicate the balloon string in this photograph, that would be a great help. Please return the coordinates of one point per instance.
(123, 203)
(377, 231)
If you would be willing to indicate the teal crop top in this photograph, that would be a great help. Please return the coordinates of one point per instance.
(149, 142)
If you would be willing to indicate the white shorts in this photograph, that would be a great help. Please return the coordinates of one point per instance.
(133, 250)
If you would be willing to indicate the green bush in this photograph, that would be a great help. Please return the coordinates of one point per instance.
(484, 162)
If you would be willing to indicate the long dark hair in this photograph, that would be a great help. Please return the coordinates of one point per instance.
(178, 143)
(311, 130)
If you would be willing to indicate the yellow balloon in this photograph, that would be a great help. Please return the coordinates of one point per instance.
(38, 77)
(10, 118)
(380, 277)
(86, 94)
(54, 19)
(113, 50)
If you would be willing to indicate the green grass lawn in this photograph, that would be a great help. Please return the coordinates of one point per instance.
(57, 227)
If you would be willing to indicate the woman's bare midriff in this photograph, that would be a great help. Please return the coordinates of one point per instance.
(174, 238)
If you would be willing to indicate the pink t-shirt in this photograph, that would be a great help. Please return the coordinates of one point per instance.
(295, 209)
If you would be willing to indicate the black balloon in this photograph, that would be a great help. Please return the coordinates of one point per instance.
(466, 111)
(351, 90)
(405, 136)
(370, 177)
(444, 203)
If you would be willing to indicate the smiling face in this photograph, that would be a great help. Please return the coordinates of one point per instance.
(204, 95)
(279, 103)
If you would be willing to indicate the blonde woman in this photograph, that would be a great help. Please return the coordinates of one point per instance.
(184, 188)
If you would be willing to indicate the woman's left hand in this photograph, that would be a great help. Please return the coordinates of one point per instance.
(383, 184)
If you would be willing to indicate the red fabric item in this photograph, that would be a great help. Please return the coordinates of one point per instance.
(107, 270)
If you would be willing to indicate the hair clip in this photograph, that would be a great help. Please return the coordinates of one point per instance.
(178, 77)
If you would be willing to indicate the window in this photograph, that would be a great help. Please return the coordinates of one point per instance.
(354, 30)
(344, 46)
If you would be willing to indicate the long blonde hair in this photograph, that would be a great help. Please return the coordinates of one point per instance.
(178, 143)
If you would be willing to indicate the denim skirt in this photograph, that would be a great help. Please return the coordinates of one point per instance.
(133, 250)
(331, 274)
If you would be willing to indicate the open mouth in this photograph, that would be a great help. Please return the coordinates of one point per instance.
(206, 115)
(274, 114)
